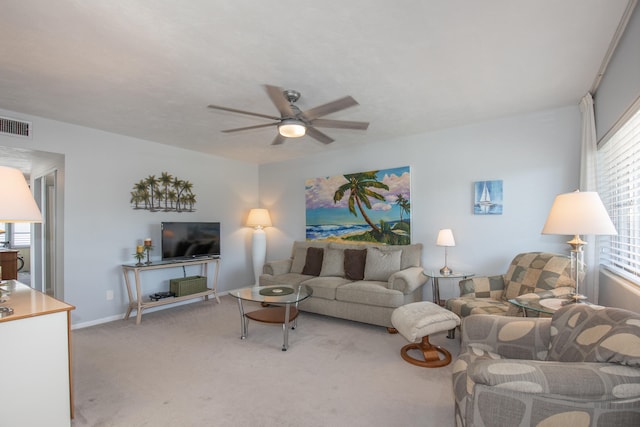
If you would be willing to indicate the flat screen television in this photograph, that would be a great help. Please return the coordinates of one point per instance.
(188, 240)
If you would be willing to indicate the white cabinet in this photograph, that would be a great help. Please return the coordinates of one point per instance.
(35, 348)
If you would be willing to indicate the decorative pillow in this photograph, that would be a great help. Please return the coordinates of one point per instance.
(313, 263)
(381, 264)
(587, 333)
(333, 263)
(354, 262)
(299, 259)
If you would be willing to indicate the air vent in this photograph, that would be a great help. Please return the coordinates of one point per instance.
(15, 127)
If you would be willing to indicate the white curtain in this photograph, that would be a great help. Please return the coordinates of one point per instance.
(588, 182)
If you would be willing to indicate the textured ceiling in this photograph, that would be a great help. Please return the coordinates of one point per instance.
(149, 69)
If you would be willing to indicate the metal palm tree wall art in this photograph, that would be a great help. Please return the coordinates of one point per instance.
(163, 194)
(372, 206)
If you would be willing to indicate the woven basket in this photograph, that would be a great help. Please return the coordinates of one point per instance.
(188, 285)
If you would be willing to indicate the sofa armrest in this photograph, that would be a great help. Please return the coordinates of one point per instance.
(278, 267)
(586, 381)
(482, 286)
(509, 337)
(407, 280)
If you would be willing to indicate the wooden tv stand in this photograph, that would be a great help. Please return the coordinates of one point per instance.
(135, 300)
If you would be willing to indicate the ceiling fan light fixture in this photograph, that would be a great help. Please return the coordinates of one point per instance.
(292, 128)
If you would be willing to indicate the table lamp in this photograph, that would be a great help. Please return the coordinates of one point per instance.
(16, 205)
(445, 238)
(258, 219)
(578, 213)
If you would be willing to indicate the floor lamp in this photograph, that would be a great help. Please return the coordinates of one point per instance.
(258, 219)
(578, 213)
(16, 205)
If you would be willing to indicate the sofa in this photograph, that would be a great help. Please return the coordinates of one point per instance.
(579, 368)
(546, 274)
(359, 282)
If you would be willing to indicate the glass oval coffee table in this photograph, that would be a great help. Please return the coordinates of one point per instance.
(285, 299)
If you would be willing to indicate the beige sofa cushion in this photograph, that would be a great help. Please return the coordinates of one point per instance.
(370, 293)
(333, 263)
(325, 287)
(299, 259)
(380, 264)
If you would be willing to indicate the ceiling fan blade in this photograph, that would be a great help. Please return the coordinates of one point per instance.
(249, 113)
(340, 124)
(319, 136)
(331, 107)
(277, 97)
(279, 139)
(250, 127)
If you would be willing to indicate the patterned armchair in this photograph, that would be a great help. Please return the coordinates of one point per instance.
(579, 368)
(530, 272)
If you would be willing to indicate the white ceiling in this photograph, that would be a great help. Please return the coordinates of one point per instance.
(149, 69)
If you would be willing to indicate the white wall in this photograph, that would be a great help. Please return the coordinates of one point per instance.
(101, 229)
(536, 156)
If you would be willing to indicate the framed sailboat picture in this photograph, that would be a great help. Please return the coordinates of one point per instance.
(488, 198)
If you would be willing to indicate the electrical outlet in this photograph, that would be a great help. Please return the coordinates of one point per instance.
(109, 295)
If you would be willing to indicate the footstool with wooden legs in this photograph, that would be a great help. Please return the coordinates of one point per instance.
(416, 321)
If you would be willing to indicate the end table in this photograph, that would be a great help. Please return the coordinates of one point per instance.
(435, 277)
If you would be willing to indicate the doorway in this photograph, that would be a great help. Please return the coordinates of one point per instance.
(44, 258)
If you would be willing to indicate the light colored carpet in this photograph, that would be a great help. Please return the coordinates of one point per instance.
(187, 366)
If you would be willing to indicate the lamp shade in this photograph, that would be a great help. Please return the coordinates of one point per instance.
(445, 238)
(579, 212)
(16, 201)
(259, 218)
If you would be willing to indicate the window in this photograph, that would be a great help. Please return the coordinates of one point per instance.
(15, 235)
(619, 188)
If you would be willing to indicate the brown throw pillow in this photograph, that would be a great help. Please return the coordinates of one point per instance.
(313, 264)
(354, 261)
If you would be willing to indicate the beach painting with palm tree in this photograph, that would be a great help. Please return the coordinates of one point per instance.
(373, 207)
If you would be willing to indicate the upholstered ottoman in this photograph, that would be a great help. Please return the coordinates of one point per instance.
(418, 320)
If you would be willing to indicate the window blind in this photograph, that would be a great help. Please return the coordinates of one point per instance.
(619, 188)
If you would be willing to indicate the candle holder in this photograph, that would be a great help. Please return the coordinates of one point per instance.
(147, 249)
(139, 256)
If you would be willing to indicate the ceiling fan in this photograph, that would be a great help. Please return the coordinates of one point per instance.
(294, 123)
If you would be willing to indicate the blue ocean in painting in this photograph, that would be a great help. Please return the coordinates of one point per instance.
(319, 232)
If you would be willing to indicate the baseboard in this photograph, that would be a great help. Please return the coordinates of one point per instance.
(132, 318)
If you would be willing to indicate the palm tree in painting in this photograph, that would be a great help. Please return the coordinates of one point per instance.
(190, 199)
(177, 185)
(172, 196)
(136, 199)
(184, 192)
(359, 186)
(152, 184)
(165, 180)
(403, 204)
(142, 193)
